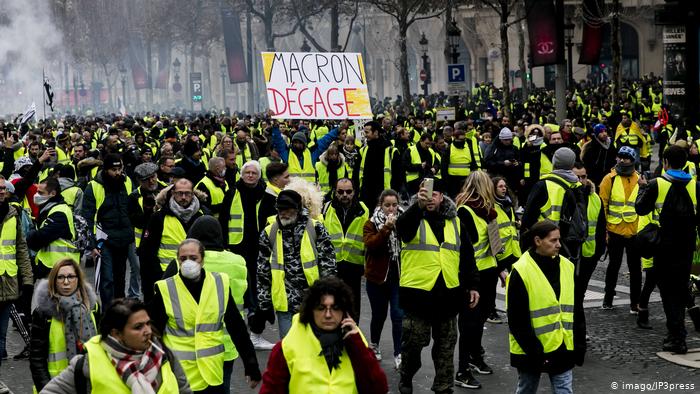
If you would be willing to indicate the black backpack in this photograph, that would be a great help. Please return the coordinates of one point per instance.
(573, 222)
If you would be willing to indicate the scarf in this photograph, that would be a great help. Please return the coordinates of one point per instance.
(331, 345)
(138, 370)
(605, 145)
(379, 218)
(567, 175)
(184, 213)
(624, 169)
(77, 322)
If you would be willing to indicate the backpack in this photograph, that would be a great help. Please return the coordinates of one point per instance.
(573, 222)
(82, 233)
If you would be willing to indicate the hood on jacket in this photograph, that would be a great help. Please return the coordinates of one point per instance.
(89, 162)
(47, 306)
(163, 196)
(324, 160)
(65, 183)
(448, 208)
(311, 196)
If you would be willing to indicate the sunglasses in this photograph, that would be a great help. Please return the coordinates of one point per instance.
(343, 191)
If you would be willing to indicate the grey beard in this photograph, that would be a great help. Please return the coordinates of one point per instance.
(286, 222)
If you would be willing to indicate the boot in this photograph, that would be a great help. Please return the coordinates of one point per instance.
(694, 313)
(643, 319)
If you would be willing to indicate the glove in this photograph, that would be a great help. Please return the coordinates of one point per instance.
(26, 293)
(268, 315)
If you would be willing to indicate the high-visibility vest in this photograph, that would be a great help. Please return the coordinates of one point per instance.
(98, 191)
(195, 331)
(296, 170)
(138, 232)
(388, 155)
(236, 219)
(643, 221)
(348, 246)
(620, 207)
(545, 166)
(264, 161)
(216, 194)
(8, 247)
(482, 246)
(627, 137)
(247, 153)
(324, 175)
(58, 357)
(592, 213)
(173, 234)
(69, 195)
(508, 233)
(551, 210)
(664, 187)
(104, 378)
(62, 157)
(689, 169)
(460, 161)
(234, 267)
(552, 319)
(309, 261)
(308, 370)
(60, 248)
(415, 159)
(423, 259)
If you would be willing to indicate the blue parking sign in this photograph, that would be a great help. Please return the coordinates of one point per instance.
(456, 73)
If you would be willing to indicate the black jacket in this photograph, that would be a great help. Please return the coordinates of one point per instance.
(253, 223)
(597, 160)
(372, 178)
(495, 162)
(51, 227)
(113, 215)
(194, 170)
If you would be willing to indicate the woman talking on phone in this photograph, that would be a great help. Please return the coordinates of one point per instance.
(382, 267)
(324, 350)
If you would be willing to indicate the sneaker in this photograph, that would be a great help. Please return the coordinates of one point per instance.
(494, 318)
(3, 389)
(634, 309)
(466, 379)
(260, 343)
(377, 352)
(397, 362)
(606, 307)
(480, 367)
(23, 354)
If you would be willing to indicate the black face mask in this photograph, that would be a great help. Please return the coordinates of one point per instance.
(458, 144)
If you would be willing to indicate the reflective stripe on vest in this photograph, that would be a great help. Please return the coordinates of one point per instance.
(592, 212)
(348, 246)
(388, 154)
(552, 319)
(551, 210)
(308, 370)
(8, 247)
(508, 233)
(415, 159)
(194, 331)
(60, 248)
(423, 259)
(173, 234)
(308, 255)
(621, 207)
(460, 161)
(57, 358)
(104, 377)
(482, 247)
(295, 168)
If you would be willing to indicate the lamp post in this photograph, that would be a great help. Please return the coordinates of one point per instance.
(569, 35)
(453, 36)
(122, 71)
(305, 46)
(222, 66)
(425, 72)
(177, 87)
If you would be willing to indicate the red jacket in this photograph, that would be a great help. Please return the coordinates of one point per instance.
(377, 255)
(369, 376)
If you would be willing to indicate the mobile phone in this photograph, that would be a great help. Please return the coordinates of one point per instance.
(345, 329)
(428, 184)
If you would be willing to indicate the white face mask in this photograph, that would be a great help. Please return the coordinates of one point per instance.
(190, 269)
(40, 200)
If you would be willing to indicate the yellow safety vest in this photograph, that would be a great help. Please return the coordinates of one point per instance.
(664, 187)
(508, 234)
(236, 219)
(104, 378)
(423, 259)
(308, 370)
(309, 263)
(552, 319)
(8, 247)
(620, 207)
(350, 246)
(460, 161)
(234, 267)
(296, 170)
(324, 175)
(248, 156)
(173, 234)
(545, 167)
(482, 247)
(58, 357)
(69, 195)
(643, 221)
(195, 331)
(60, 248)
(216, 194)
(592, 212)
(415, 159)
(62, 157)
(264, 161)
(388, 155)
(551, 210)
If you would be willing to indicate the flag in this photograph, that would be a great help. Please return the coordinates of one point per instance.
(592, 32)
(28, 113)
(163, 75)
(234, 46)
(542, 26)
(49, 94)
(137, 60)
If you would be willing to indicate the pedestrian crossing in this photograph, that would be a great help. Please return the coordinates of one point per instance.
(593, 298)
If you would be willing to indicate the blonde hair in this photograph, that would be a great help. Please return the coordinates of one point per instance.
(477, 187)
(81, 289)
(311, 195)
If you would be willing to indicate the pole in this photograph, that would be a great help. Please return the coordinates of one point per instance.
(249, 60)
(43, 90)
(570, 63)
(223, 91)
(560, 67)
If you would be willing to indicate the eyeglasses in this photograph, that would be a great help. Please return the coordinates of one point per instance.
(69, 278)
(343, 191)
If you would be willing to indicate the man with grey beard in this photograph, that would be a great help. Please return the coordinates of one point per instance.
(295, 251)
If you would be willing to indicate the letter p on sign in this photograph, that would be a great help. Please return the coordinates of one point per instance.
(456, 73)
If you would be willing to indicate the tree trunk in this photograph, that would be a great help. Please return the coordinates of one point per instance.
(403, 65)
(335, 27)
(149, 65)
(269, 38)
(616, 52)
(505, 58)
(448, 21)
(249, 61)
(521, 54)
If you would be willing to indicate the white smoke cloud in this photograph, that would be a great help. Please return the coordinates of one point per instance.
(29, 42)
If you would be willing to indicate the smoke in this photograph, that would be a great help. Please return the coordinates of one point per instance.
(29, 42)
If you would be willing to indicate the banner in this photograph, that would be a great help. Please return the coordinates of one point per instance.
(592, 32)
(328, 85)
(163, 75)
(137, 60)
(542, 28)
(675, 71)
(233, 42)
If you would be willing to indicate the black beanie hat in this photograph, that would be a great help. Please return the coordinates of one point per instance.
(287, 199)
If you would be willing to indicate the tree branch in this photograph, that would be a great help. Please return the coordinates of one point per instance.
(352, 22)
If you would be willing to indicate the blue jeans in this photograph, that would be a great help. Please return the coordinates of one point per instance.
(134, 273)
(112, 274)
(382, 297)
(561, 384)
(284, 320)
(4, 322)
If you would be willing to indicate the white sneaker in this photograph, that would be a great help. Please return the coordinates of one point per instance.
(260, 343)
(3, 389)
(377, 352)
(397, 362)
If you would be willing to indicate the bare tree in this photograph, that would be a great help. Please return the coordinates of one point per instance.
(272, 14)
(308, 13)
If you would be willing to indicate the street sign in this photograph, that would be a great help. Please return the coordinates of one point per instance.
(423, 75)
(445, 113)
(196, 90)
(456, 79)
